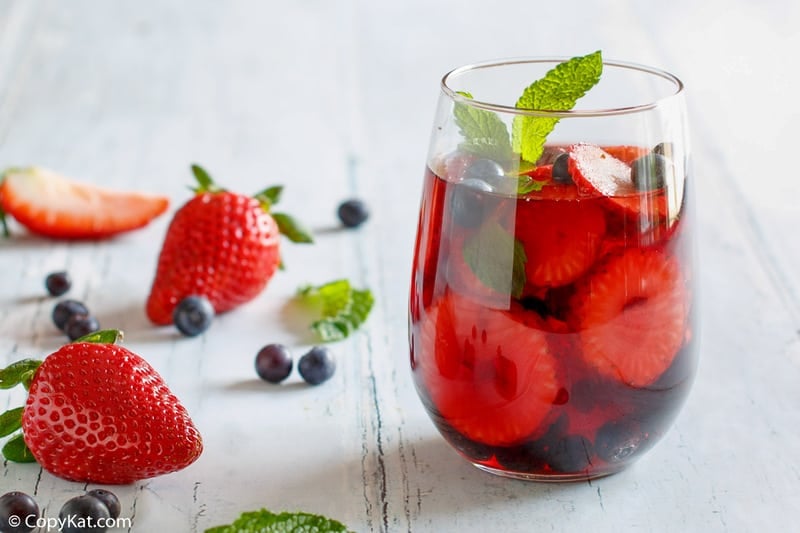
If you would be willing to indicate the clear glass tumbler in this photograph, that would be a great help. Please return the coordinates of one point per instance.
(552, 324)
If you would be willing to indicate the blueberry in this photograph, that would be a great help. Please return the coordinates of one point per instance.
(664, 149)
(469, 202)
(18, 512)
(109, 499)
(58, 283)
(571, 454)
(492, 173)
(353, 213)
(81, 514)
(65, 309)
(274, 363)
(532, 456)
(484, 169)
(193, 315)
(317, 366)
(619, 441)
(650, 172)
(561, 169)
(79, 325)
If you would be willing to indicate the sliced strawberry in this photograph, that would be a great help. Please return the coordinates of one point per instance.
(491, 377)
(54, 206)
(631, 312)
(561, 239)
(626, 154)
(598, 173)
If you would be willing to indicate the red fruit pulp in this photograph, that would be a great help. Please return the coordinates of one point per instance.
(555, 338)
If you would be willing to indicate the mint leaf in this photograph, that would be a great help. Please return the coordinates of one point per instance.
(10, 421)
(497, 259)
(485, 134)
(292, 229)
(560, 88)
(264, 521)
(342, 308)
(15, 373)
(17, 451)
(527, 184)
(269, 196)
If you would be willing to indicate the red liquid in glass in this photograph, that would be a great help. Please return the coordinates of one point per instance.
(575, 361)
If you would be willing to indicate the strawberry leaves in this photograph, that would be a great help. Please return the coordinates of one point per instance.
(18, 372)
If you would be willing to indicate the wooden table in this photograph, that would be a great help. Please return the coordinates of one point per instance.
(336, 99)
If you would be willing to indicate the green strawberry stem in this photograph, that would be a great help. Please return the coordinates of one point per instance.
(104, 336)
(288, 226)
(18, 372)
(17, 451)
(10, 421)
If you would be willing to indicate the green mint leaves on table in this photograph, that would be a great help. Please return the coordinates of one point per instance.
(264, 521)
(486, 135)
(497, 259)
(342, 308)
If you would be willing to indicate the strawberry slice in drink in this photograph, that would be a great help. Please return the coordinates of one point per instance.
(492, 378)
(560, 233)
(598, 173)
(631, 312)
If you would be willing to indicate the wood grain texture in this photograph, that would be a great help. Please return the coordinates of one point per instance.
(336, 100)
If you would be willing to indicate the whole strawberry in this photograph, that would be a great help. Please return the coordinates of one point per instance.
(98, 413)
(221, 245)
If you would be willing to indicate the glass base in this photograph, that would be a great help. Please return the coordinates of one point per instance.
(549, 478)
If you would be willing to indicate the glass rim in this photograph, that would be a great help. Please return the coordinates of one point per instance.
(611, 111)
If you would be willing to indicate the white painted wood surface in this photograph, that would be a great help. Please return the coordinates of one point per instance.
(335, 99)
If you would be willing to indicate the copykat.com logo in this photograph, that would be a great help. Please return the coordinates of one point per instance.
(68, 523)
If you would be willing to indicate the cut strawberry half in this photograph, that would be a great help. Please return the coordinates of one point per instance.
(598, 173)
(492, 378)
(631, 312)
(51, 205)
(561, 239)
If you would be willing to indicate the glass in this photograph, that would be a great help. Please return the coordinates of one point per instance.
(552, 323)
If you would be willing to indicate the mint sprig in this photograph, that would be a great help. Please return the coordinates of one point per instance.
(485, 134)
(559, 90)
(497, 259)
(342, 308)
(265, 521)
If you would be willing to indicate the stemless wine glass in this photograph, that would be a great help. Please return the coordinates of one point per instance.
(552, 325)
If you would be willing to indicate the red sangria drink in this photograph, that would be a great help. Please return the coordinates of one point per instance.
(552, 324)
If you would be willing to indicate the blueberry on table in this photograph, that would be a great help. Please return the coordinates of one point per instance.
(561, 169)
(79, 325)
(109, 499)
(274, 363)
(317, 366)
(650, 171)
(353, 213)
(65, 309)
(193, 315)
(18, 512)
(58, 283)
(83, 511)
